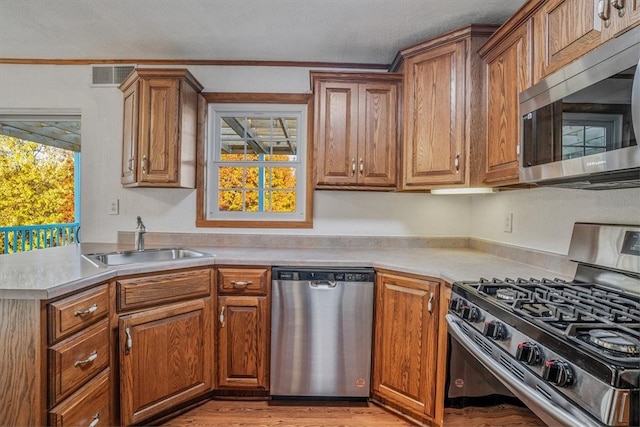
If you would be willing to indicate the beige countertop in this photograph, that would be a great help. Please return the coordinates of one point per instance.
(50, 273)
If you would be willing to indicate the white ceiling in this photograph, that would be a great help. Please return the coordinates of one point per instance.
(341, 31)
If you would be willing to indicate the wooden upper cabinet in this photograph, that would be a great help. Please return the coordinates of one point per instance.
(356, 129)
(507, 62)
(564, 30)
(159, 128)
(442, 106)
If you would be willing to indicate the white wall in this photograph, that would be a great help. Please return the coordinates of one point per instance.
(542, 217)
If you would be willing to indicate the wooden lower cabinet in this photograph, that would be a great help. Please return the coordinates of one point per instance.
(243, 350)
(89, 406)
(165, 358)
(243, 329)
(409, 346)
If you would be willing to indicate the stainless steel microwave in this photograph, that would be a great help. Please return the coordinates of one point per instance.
(580, 125)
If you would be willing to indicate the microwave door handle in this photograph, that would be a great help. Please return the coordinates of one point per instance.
(635, 101)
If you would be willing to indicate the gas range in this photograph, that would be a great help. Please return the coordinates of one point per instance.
(570, 350)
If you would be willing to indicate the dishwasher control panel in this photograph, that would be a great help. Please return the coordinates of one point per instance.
(333, 275)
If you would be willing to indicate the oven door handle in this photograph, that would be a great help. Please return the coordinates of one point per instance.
(547, 410)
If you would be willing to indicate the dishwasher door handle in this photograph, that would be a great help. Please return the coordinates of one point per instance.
(322, 283)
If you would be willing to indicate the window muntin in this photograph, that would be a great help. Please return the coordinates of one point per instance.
(256, 162)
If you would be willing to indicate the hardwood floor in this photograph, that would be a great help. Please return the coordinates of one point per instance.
(263, 413)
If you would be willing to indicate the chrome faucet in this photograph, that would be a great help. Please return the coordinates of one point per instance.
(139, 235)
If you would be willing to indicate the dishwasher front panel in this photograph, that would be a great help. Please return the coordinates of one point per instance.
(321, 334)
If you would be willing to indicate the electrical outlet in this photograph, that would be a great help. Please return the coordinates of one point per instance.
(114, 207)
(508, 223)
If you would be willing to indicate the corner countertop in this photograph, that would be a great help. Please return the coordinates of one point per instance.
(50, 273)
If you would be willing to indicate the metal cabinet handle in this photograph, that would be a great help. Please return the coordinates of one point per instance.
(89, 310)
(93, 356)
(144, 164)
(96, 420)
(129, 343)
(518, 150)
(130, 163)
(353, 167)
(222, 316)
(361, 167)
(603, 12)
(619, 5)
(430, 303)
(241, 284)
(456, 163)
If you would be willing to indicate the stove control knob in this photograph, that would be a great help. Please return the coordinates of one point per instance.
(558, 372)
(529, 353)
(456, 304)
(495, 330)
(472, 314)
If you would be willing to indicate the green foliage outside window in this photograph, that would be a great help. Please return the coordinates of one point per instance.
(36, 183)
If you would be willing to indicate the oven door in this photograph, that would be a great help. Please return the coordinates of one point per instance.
(550, 407)
(470, 384)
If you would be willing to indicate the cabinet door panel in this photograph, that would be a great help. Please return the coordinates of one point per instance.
(337, 133)
(508, 74)
(565, 30)
(159, 145)
(242, 342)
(130, 135)
(434, 122)
(165, 358)
(405, 342)
(378, 139)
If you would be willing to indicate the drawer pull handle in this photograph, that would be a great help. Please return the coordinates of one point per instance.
(93, 356)
(241, 283)
(89, 310)
(96, 420)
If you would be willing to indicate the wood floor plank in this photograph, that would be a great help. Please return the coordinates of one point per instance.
(267, 414)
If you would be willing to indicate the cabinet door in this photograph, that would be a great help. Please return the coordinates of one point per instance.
(243, 347)
(165, 358)
(405, 337)
(336, 132)
(159, 124)
(507, 73)
(130, 134)
(564, 31)
(378, 134)
(434, 122)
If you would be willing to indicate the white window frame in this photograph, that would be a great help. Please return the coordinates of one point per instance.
(219, 105)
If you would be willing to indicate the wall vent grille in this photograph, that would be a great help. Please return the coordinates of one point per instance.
(109, 75)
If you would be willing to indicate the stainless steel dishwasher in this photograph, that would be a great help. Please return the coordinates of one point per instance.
(321, 332)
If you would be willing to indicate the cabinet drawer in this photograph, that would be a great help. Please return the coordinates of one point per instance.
(75, 360)
(157, 289)
(88, 407)
(73, 313)
(241, 280)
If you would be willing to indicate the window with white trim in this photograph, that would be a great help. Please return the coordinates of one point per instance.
(256, 165)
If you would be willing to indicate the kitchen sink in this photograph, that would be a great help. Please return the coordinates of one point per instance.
(108, 259)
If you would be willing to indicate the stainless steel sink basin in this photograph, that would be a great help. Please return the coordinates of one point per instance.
(108, 259)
